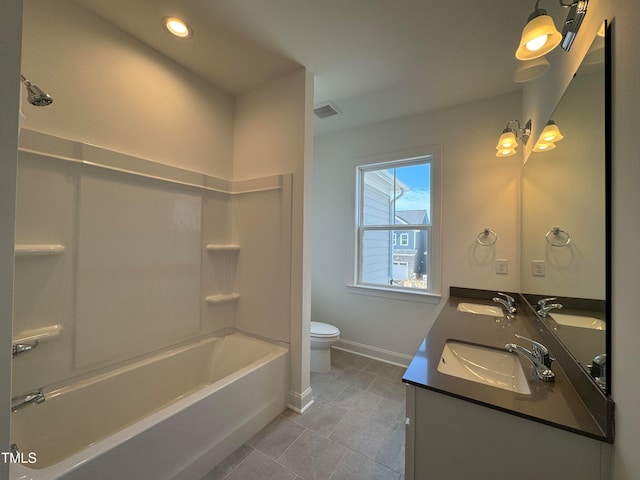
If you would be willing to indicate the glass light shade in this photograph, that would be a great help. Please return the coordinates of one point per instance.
(551, 133)
(543, 146)
(177, 27)
(539, 37)
(505, 152)
(507, 140)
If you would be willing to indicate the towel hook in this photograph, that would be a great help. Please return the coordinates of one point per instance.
(556, 237)
(487, 237)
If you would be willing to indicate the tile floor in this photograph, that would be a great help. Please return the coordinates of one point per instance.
(353, 431)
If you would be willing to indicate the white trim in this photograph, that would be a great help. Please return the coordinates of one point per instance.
(375, 353)
(397, 293)
(300, 402)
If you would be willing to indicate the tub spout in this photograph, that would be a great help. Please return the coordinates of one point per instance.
(27, 399)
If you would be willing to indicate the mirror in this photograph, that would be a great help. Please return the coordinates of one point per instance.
(564, 219)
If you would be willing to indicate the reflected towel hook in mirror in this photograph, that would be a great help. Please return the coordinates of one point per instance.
(487, 237)
(556, 237)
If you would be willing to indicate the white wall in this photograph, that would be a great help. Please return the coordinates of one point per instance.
(273, 134)
(626, 231)
(479, 190)
(10, 26)
(113, 91)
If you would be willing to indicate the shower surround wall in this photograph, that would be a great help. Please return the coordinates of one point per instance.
(130, 263)
(196, 126)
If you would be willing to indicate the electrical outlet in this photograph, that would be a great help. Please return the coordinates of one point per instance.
(538, 268)
(502, 266)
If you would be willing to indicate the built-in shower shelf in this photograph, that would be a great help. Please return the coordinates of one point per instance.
(222, 298)
(24, 250)
(222, 248)
(40, 334)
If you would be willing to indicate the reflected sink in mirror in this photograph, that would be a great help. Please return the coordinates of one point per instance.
(579, 321)
(485, 365)
(480, 309)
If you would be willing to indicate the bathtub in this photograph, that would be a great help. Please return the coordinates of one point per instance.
(174, 415)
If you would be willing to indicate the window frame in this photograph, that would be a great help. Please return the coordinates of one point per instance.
(428, 154)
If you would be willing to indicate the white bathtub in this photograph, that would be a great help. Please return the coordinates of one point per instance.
(175, 415)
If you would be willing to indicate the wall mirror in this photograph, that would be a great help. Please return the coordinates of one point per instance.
(565, 219)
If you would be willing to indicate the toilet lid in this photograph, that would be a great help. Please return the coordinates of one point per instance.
(319, 329)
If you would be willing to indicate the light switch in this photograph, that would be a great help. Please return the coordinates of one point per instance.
(502, 266)
(538, 268)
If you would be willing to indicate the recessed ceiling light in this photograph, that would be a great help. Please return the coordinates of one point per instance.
(178, 27)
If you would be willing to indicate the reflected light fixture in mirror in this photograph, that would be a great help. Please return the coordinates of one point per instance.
(177, 27)
(548, 138)
(530, 69)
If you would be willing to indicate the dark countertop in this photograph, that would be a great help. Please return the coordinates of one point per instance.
(552, 403)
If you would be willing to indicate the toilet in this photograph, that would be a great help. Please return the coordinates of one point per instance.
(323, 336)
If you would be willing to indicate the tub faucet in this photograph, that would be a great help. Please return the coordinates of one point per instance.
(538, 355)
(543, 308)
(20, 348)
(508, 302)
(27, 399)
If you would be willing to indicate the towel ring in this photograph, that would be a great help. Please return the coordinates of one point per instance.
(487, 238)
(556, 237)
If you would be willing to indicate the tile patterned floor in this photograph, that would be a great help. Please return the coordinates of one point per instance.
(353, 431)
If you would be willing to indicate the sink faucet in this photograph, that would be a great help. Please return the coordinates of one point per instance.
(27, 399)
(538, 355)
(508, 302)
(543, 308)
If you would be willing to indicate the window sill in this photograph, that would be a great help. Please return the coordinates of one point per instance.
(395, 294)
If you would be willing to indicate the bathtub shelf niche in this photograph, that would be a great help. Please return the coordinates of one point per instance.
(222, 298)
(40, 334)
(222, 248)
(30, 250)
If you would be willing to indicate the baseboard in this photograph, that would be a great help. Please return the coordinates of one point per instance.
(300, 402)
(376, 353)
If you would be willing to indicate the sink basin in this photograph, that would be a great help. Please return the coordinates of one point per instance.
(480, 309)
(580, 321)
(485, 365)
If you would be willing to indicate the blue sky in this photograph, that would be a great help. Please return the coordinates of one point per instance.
(417, 177)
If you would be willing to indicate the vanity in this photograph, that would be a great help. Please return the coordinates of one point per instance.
(480, 400)
(494, 426)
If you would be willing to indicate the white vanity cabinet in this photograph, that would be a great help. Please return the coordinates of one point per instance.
(452, 439)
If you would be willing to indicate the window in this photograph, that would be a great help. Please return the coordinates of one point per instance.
(398, 216)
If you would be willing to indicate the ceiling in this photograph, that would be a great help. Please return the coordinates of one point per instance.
(375, 59)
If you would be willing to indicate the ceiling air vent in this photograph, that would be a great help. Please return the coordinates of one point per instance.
(326, 109)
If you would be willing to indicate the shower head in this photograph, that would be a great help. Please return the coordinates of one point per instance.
(36, 96)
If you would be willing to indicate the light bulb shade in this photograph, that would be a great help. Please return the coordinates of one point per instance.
(505, 152)
(543, 146)
(507, 140)
(551, 133)
(539, 36)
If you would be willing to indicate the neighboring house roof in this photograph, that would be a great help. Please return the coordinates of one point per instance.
(413, 217)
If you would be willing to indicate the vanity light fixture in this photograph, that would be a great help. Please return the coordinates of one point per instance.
(509, 139)
(177, 27)
(540, 35)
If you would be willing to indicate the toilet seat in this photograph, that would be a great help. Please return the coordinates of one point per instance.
(323, 330)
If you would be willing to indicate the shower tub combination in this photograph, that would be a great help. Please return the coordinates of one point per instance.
(174, 415)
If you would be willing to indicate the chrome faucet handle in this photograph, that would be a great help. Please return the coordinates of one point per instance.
(508, 303)
(510, 300)
(542, 303)
(539, 350)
